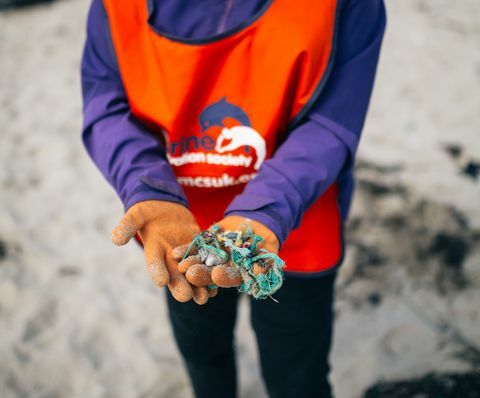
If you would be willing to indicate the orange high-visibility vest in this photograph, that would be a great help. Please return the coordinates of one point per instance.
(224, 105)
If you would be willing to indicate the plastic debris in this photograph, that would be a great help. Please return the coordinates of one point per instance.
(261, 271)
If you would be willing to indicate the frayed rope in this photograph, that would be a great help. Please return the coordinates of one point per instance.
(261, 271)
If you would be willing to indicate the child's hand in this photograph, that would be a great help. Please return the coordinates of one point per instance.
(162, 227)
(224, 275)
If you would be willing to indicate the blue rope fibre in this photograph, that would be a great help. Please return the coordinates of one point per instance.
(242, 246)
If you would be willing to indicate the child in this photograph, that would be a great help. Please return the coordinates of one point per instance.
(226, 111)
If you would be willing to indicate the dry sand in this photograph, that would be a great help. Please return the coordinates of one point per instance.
(80, 318)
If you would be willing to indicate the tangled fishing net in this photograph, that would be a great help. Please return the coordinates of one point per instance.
(261, 270)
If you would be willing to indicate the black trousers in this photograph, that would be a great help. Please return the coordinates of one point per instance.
(293, 338)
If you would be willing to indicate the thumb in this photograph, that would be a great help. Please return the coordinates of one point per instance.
(128, 226)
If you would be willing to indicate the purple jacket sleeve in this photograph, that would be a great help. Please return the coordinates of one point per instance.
(322, 149)
(131, 159)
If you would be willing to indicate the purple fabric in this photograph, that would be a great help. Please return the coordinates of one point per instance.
(131, 159)
(320, 151)
(197, 19)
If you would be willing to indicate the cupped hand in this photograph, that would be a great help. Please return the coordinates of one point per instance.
(226, 275)
(162, 226)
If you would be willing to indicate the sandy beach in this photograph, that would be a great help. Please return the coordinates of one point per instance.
(81, 318)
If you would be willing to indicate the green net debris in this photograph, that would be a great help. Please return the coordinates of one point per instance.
(262, 271)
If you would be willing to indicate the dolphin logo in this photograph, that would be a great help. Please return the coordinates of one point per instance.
(242, 136)
(214, 114)
(239, 136)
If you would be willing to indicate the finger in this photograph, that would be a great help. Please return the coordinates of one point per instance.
(180, 288)
(199, 275)
(184, 265)
(178, 284)
(200, 295)
(226, 276)
(155, 259)
(179, 251)
(128, 226)
(213, 291)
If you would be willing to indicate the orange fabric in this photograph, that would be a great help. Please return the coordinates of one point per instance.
(223, 106)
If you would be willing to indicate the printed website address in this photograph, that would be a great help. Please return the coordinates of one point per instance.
(215, 182)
